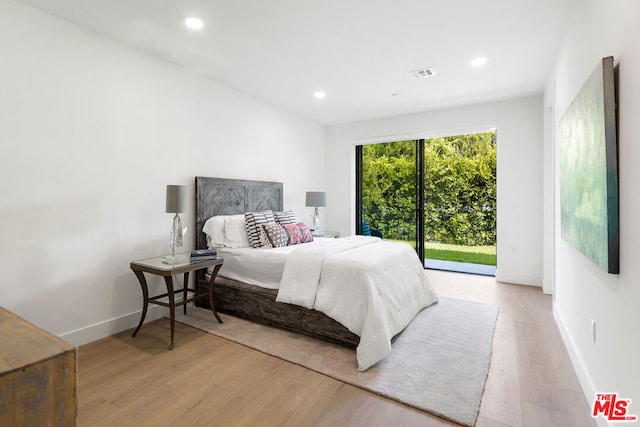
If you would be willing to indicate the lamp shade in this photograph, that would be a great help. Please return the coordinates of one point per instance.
(176, 199)
(316, 198)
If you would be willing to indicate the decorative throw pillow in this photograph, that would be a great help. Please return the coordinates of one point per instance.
(273, 235)
(253, 220)
(306, 233)
(295, 236)
(286, 217)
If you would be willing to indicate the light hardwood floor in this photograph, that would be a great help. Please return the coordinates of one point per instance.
(209, 381)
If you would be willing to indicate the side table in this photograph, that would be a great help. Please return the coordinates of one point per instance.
(157, 267)
(326, 233)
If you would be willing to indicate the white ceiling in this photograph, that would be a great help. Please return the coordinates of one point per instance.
(359, 52)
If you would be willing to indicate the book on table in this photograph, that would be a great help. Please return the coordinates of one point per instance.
(203, 252)
(203, 258)
(203, 255)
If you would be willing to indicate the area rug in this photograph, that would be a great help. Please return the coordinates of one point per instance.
(438, 364)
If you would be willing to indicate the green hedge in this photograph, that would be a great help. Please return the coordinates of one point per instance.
(460, 189)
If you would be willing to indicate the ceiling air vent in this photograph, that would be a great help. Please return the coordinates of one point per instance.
(423, 73)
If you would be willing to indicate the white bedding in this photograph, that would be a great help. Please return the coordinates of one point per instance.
(372, 287)
(257, 266)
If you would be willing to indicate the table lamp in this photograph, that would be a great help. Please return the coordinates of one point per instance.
(176, 202)
(316, 199)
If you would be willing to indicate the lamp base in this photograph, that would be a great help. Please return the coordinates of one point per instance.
(315, 219)
(176, 242)
(176, 259)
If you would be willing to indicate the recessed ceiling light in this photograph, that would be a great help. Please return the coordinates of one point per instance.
(478, 62)
(319, 94)
(194, 23)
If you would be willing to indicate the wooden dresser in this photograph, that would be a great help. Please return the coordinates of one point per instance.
(38, 375)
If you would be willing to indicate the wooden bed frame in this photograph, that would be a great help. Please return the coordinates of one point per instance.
(219, 196)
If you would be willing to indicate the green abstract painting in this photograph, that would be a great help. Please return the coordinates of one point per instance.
(588, 171)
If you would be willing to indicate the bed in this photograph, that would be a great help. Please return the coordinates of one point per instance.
(254, 301)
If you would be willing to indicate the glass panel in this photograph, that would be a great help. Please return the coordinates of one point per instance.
(460, 199)
(389, 190)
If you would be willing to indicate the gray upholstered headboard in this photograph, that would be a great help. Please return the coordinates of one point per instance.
(220, 196)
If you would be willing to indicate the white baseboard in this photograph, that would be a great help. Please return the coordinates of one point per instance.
(517, 279)
(588, 388)
(112, 326)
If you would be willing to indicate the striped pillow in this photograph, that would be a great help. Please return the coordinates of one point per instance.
(286, 217)
(253, 220)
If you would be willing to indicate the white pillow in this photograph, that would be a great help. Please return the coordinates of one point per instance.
(228, 231)
(235, 232)
(214, 229)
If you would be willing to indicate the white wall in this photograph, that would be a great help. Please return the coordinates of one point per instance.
(601, 28)
(91, 132)
(519, 172)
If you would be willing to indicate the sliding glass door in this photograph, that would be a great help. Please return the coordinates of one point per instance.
(460, 203)
(389, 191)
(438, 194)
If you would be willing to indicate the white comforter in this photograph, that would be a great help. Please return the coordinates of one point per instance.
(373, 287)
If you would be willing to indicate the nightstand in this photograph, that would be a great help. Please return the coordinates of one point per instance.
(326, 233)
(158, 267)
